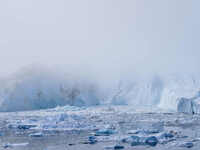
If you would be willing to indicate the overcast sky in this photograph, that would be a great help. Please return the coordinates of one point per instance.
(112, 36)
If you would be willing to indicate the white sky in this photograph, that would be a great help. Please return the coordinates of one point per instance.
(112, 36)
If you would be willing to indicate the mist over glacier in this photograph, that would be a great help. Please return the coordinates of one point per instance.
(40, 87)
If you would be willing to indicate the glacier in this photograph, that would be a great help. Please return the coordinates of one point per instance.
(39, 87)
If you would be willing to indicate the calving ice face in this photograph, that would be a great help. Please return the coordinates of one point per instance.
(37, 87)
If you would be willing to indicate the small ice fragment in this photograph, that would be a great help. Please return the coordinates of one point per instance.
(39, 134)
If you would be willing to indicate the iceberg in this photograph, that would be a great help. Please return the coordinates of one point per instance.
(189, 105)
(185, 106)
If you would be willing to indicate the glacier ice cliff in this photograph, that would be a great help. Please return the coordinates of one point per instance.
(40, 87)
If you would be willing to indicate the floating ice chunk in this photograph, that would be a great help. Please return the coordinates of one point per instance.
(167, 135)
(92, 140)
(187, 145)
(39, 134)
(104, 132)
(133, 132)
(137, 141)
(118, 147)
(128, 139)
(9, 145)
(151, 141)
(150, 128)
(26, 126)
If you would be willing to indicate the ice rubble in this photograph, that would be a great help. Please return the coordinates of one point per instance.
(40, 87)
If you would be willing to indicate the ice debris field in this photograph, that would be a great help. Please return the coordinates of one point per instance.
(99, 127)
